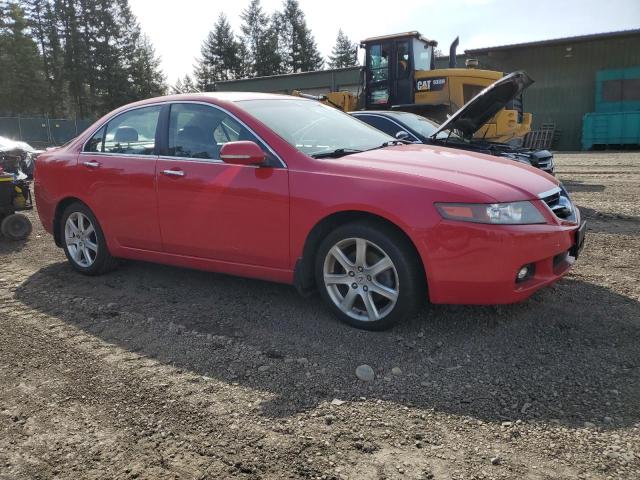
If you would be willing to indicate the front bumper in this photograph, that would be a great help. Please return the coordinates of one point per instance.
(477, 264)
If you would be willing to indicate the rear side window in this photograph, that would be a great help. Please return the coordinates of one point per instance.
(132, 133)
(380, 123)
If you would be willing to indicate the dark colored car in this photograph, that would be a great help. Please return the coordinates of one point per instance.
(458, 130)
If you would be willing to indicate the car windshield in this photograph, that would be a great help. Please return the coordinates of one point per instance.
(422, 125)
(314, 128)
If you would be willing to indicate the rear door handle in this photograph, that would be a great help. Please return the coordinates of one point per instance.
(91, 164)
(173, 173)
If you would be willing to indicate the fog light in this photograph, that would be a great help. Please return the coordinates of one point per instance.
(525, 273)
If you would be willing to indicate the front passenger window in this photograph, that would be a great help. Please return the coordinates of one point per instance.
(199, 131)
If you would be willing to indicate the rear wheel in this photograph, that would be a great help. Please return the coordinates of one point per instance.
(369, 275)
(83, 241)
(16, 226)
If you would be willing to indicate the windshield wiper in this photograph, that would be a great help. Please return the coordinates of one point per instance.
(337, 153)
(390, 143)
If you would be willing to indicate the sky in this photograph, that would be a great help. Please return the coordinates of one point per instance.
(178, 28)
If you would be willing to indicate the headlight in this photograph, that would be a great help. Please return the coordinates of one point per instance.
(514, 213)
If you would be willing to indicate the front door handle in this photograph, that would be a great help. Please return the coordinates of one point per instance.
(173, 173)
(91, 164)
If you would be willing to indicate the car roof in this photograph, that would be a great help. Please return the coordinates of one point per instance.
(239, 96)
(214, 97)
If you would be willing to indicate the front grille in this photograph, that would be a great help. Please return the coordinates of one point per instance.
(560, 204)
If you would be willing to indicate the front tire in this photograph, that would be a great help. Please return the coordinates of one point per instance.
(369, 275)
(83, 241)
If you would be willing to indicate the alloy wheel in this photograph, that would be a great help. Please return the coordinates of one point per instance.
(361, 279)
(81, 239)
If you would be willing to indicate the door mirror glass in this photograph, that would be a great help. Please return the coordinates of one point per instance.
(243, 152)
(402, 135)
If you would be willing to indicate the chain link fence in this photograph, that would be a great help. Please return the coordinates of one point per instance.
(42, 132)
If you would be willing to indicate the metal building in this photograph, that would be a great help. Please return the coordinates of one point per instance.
(314, 83)
(565, 74)
(564, 71)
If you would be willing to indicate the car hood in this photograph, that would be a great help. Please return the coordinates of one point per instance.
(477, 111)
(482, 177)
(8, 145)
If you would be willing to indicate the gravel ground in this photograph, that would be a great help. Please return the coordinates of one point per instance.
(159, 372)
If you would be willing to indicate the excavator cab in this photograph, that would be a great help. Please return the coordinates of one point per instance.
(391, 62)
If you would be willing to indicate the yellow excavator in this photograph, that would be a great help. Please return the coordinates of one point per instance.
(399, 74)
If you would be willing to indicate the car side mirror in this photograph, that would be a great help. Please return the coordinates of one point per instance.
(243, 152)
(402, 135)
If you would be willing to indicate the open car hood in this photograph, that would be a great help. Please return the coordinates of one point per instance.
(477, 111)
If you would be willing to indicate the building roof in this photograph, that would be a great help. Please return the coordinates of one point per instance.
(294, 74)
(413, 33)
(556, 41)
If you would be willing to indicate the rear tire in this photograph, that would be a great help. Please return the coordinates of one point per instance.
(16, 227)
(83, 241)
(369, 275)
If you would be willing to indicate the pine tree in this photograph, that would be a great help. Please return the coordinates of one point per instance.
(177, 87)
(145, 74)
(271, 58)
(75, 57)
(299, 50)
(188, 85)
(44, 31)
(242, 64)
(220, 56)
(123, 49)
(261, 39)
(22, 83)
(343, 53)
(184, 85)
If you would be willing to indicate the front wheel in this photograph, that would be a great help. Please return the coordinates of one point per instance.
(369, 275)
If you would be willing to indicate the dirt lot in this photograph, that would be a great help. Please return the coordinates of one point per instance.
(158, 372)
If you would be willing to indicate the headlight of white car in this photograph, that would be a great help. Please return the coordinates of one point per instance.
(513, 213)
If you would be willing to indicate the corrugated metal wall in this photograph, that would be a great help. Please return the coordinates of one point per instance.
(565, 78)
(564, 89)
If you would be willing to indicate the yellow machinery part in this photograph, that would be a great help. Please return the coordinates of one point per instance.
(19, 200)
(460, 86)
(444, 98)
(345, 101)
(452, 91)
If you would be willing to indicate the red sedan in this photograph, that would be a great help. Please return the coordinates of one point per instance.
(290, 190)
